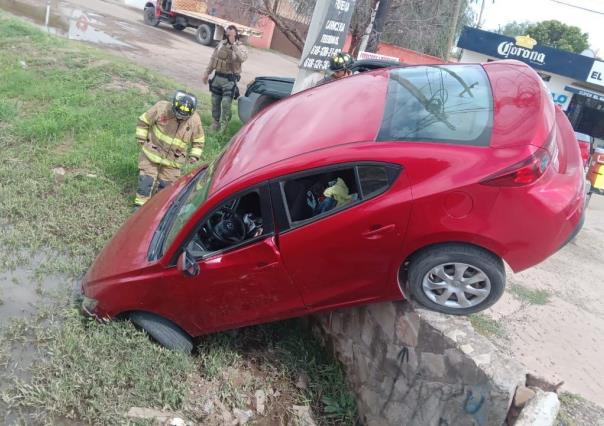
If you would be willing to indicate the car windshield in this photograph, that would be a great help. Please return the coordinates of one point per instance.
(449, 104)
(198, 193)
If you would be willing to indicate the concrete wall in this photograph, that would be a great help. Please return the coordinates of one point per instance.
(414, 367)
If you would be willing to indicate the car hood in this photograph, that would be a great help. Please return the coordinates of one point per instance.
(127, 250)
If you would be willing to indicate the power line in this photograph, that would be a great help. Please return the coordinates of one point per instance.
(578, 7)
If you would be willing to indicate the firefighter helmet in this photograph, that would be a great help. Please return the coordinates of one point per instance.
(183, 104)
(340, 61)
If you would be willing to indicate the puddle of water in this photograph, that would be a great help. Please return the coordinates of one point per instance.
(66, 21)
(20, 293)
(84, 27)
(35, 13)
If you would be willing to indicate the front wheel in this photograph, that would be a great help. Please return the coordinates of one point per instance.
(163, 331)
(150, 18)
(456, 279)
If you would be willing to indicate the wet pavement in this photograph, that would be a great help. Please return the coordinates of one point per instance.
(112, 25)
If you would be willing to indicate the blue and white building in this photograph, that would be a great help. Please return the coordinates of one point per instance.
(576, 82)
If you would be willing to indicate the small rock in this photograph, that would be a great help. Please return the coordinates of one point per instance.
(150, 413)
(302, 412)
(176, 421)
(522, 396)
(276, 394)
(243, 416)
(90, 175)
(260, 401)
(23, 64)
(303, 381)
(540, 411)
(59, 173)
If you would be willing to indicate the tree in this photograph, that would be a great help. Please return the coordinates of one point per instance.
(273, 9)
(359, 23)
(425, 25)
(513, 29)
(559, 36)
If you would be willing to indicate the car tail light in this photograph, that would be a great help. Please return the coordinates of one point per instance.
(523, 173)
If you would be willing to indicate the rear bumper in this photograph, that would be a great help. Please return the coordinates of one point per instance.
(575, 231)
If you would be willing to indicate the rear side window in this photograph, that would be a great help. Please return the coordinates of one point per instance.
(450, 104)
(374, 180)
(311, 195)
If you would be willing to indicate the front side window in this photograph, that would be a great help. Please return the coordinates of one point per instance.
(438, 103)
(235, 222)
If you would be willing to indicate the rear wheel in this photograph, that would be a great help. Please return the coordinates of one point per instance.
(456, 279)
(163, 331)
(205, 34)
(150, 18)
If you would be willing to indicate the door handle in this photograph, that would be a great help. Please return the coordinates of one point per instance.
(376, 231)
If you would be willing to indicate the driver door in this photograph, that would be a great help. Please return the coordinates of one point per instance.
(240, 282)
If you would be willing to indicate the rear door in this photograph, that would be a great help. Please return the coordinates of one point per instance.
(344, 254)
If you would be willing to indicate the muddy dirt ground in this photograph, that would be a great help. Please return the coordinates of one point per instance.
(558, 337)
(561, 339)
(114, 26)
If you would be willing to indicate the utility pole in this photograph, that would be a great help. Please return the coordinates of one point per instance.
(453, 30)
(47, 14)
(378, 26)
(314, 30)
(480, 14)
(365, 38)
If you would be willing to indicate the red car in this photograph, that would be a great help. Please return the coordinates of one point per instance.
(415, 182)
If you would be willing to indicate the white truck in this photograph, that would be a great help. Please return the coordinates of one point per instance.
(190, 13)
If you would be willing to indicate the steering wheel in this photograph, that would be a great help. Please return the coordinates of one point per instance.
(229, 222)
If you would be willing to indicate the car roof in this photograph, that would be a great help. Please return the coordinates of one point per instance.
(351, 110)
(324, 117)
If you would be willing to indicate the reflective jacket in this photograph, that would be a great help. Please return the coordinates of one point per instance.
(167, 140)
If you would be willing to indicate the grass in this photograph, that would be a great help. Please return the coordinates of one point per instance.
(530, 296)
(75, 107)
(577, 411)
(486, 326)
(78, 113)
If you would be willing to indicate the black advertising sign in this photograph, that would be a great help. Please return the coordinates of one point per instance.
(331, 37)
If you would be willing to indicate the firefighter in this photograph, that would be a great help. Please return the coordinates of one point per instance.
(168, 133)
(226, 64)
(339, 65)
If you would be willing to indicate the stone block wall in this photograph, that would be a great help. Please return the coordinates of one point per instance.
(415, 367)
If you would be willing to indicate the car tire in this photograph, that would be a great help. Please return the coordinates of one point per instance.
(205, 34)
(261, 103)
(150, 18)
(163, 331)
(473, 277)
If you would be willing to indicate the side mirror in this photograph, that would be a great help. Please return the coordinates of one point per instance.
(187, 265)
